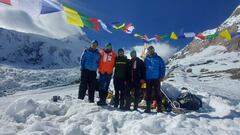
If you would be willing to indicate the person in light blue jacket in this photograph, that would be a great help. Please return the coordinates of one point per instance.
(155, 73)
(89, 65)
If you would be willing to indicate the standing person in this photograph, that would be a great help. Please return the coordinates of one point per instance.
(106, 65)
(155, 72)
(89, 64)
(120, 78)
(136, 76)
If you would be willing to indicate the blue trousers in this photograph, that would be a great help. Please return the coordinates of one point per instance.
(104, 81)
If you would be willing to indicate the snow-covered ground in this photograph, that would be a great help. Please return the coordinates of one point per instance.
(17, 79)
(33, 113)
(207, 73)
(213, 70)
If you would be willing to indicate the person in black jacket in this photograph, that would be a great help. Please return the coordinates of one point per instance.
(135, 77)
(120, 78)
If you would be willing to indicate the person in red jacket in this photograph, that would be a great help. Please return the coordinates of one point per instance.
(106, 65)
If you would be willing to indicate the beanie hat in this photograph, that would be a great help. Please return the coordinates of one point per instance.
(108, 46)
(94, 42)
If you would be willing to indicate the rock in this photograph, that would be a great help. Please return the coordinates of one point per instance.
(189, 70)
(191, 65)
(209, 61)
(184, 88)
(235, 61)
(204, 70)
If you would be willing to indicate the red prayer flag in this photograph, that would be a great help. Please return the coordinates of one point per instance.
(8, 2)
(145, 36)
(158, 37)
(127, 27)
(95, 22)
(201, 36)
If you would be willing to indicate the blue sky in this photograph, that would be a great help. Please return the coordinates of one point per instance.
(154, 17)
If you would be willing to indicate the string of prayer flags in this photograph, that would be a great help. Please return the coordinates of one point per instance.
(73, 17)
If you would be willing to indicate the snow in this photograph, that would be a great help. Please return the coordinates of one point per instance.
(238, 27)
(210, 32)
(215, 60)
(234, 19)
(32, 112)
(14, 79)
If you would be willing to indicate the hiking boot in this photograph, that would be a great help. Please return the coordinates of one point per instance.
(121, 108)
(159, 107)
(101, 103)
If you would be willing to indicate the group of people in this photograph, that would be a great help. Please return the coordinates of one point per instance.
(128, 74)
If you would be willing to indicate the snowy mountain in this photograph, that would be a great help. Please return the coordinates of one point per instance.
(34, 51)
(29, 61)
(210, 66)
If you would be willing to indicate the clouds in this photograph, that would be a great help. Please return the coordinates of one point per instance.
(162, 49)
(51, 25)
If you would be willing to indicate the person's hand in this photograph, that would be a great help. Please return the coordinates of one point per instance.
(142, 81)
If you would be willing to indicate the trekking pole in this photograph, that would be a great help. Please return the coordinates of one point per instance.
(173, 103)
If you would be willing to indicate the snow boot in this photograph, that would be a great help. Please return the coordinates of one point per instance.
(101, 102)
(159, 107)
(148, 108)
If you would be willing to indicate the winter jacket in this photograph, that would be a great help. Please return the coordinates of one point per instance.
(155, 67)
(90, 59)
(107, 61)
(121, 67)
(136, 70)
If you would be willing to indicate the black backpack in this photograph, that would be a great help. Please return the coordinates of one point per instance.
(189, 101)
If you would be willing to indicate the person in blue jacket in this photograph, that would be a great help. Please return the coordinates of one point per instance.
(89, 65)
(155, 72)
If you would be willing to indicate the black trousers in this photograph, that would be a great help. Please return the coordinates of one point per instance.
(87, 81)
(119, 87)
(153, 89)
(136, 86)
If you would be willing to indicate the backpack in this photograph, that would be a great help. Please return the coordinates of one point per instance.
(189, 101)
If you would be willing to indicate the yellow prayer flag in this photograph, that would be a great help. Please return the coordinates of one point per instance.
(225, 34)
(174, 36)
(119, 27)
(73, 17)
(138, 35)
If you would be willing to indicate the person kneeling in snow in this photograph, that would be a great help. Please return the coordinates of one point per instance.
(155, 72)
(89, 64)
(106, 66)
